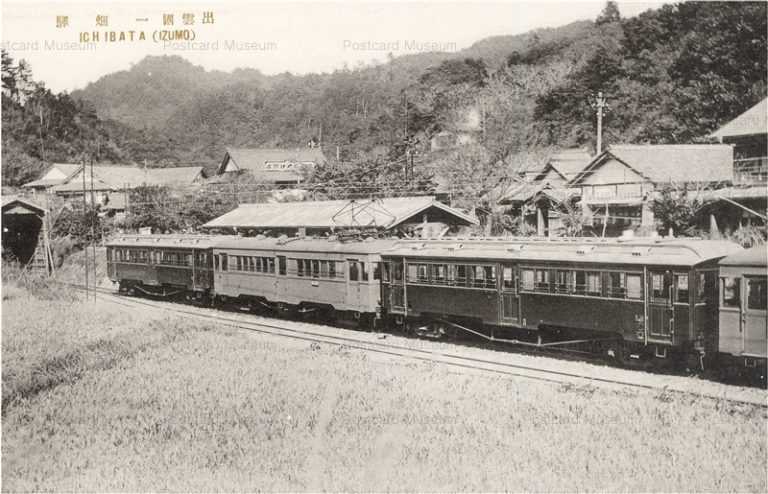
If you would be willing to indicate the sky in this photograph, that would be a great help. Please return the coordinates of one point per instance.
(297, 37)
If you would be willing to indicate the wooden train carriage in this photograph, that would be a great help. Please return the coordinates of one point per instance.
(163, 265)
(309, 273)
(743, 328)
(652, 291)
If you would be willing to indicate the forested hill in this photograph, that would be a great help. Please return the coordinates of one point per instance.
(670, 75)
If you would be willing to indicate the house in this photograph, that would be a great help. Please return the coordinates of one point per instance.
(746, 201)
(616, 189)
(539, 196)
(272, 165)
(56, 174)
(111, 180)
(415, 215)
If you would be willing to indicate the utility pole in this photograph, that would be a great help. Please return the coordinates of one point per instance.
(93, 233)
(85, 213)
(599, 105)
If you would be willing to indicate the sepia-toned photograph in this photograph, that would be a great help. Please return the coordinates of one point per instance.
(384, 246)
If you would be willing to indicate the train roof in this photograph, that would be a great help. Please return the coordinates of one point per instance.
(755, 256)
(298, 244)
(651, 251)
(184, 241)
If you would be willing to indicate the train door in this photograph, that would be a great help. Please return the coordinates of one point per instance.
(353, 284)
(754, 315)
(660, 311)
(278, 287)
(397, 286)
(681, 304)
(510, 302)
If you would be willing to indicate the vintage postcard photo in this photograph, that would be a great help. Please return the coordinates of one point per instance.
(384, 246)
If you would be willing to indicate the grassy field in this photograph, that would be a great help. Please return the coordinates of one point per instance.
(99, 399)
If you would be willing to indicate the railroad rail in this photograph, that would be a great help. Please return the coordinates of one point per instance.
(419, 354)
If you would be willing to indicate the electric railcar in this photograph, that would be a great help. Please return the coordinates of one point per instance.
(301, 274)
(633, 298)
(170, 266)
(743, 314)
(650, 296)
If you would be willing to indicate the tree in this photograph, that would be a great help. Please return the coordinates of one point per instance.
(675, 209)
(609, 14)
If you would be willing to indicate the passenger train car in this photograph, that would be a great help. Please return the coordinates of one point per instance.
(635, 299)
(655, 295)
(306, 274)
(164, 265)
(743, 324)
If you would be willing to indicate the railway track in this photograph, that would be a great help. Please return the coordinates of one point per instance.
(369, 342)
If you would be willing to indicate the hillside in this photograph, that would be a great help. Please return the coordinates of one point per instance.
(671, 75)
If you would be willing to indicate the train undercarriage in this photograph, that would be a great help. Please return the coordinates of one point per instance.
(609, 348)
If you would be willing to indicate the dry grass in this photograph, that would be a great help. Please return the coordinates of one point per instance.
(104, 401)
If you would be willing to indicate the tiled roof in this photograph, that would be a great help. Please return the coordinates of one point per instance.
(44, 183)
(115, 177)
(384, 213)
(752, 121)
(67, 169)
(570, 162)
(671, 162)
(255, 160)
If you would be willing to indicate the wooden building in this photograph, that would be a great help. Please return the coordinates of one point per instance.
(25, 234)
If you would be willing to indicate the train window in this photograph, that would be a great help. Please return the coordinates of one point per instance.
(471, 276)
(756, 292)
(377, 271)
(281, 264)
(238, 263)
(386, 272)
(271, 261)
(422, 268)
(617, 285)
(593, 286)
(412, 272)
(109, 254)
(681, 288)
(315, 268)
(299, 267)
(564, 281)
(527, 276)
(224, 263)
(332, 269)
(489, 276)
(353, 275)
(660, 285)
(397, 271)
(634, 286)
(731, 295)
(216, 262)
(542, 280)
(507, 276)
(363, 271)
(323, 269)
(461, 274)
(439, 273)
(701, 287)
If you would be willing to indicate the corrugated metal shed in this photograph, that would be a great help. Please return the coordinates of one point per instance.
(378, 213)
